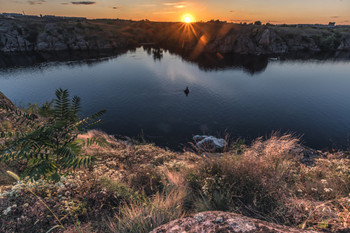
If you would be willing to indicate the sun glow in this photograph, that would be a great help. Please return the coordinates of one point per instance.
(187, 18)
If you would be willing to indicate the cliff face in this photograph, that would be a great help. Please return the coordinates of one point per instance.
(41, 35)
(17, 36)
(276, 40)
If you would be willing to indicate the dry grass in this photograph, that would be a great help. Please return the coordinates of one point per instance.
(136, 188)
(161, 209)
(269, 181)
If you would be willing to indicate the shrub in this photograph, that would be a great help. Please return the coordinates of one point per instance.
(120, 191)
(147, 180)
(230, 185)
(329, 179)
(256, 183)
(329, 43)
(51, 147)
(45, 110)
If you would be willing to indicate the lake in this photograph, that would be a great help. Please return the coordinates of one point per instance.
(246, 97)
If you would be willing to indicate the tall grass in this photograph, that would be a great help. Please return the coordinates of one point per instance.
(161, 209)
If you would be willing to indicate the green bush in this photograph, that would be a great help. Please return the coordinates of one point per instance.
(45, 110)
(51, 147)
(329, 43)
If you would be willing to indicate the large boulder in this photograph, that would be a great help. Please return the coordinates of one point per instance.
(215, 221)
(209, 143)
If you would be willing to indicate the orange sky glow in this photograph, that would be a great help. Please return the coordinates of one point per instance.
(273, 11)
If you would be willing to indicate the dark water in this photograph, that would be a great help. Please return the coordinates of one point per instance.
(247, 97)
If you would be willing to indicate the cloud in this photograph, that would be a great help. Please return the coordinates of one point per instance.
(64, 3)
(83, 3)
(146, 5)
(36, 2)
(176, 4)
(163, 12)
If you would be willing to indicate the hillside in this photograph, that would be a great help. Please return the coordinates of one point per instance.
(18, 35)
(137, 187)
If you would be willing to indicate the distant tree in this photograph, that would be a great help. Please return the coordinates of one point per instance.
(257, 23)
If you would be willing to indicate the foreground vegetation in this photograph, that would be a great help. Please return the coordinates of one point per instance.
(134, 187)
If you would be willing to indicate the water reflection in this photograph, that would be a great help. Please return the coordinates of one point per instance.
(156, 52)
(145, 90)
(206, 61)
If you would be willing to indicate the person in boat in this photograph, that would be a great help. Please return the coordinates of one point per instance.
(187, 91)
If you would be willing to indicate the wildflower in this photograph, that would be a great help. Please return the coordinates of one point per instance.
(324, 181)
(8, 210)
(328, 190)
(314, 189)
(5, 212)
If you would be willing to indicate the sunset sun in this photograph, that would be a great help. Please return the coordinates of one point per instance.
(187, 18)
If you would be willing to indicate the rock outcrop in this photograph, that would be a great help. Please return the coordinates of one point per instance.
(4, 101)
(213, 222)
(16, 36)
(42, 35)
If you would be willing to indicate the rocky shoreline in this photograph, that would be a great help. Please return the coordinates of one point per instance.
(94, 35)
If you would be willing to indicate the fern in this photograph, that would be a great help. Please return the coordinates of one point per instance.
(51, 147)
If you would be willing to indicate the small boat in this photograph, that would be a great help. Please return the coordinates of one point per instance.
(187, 91)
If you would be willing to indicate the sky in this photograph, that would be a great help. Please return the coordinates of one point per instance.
(273, 11)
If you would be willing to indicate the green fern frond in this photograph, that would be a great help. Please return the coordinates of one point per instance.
(51, 146)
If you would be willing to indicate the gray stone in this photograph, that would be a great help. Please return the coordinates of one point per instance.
(209, 143)
(231, 222)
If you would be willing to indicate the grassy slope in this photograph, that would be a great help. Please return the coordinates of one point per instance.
(135, 188)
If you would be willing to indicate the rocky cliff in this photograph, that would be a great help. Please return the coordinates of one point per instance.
(19, 36)
(42, 35)
(279, 40)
